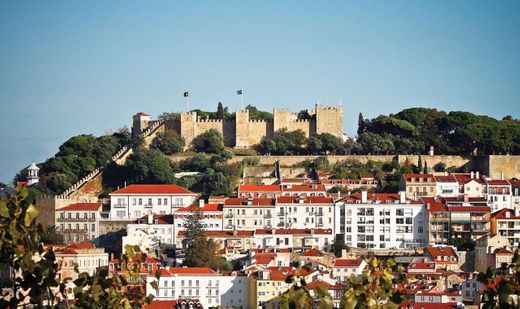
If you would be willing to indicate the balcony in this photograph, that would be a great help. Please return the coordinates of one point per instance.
(319, 224)
(119, 205)
(229, 226)
(268, 215)
(281, 214)
(281, 224)
(319, 213)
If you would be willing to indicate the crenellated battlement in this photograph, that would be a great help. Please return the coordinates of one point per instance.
(241, 131)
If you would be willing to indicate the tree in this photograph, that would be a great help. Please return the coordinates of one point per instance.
(210, 141)
(371, 143)
(215, 183)
(149, 166)
(439, 167)
(220, 111)
(374, 286)
(283, 142)
(338, 246)
(361, 125)
(33, 270)
(168, 142)
(425, 168)
(420, 165)
(297, 296)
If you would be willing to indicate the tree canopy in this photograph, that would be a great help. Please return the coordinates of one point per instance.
(210, 141)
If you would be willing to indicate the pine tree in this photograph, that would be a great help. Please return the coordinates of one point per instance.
(425, 167)
(361, 125)
(420, 165)
(220, 111)
(194, 227)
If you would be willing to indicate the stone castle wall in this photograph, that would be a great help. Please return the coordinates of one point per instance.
(243, 132)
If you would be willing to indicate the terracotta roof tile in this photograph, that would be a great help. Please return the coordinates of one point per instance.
(348, 263)
(153, 189)
(81, 206)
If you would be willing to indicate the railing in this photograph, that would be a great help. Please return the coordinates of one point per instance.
(280, 224)
(319, 214)
(120, 205)
(281, 214)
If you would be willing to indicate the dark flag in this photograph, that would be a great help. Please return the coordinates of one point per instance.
(186, 94)
(239, 92)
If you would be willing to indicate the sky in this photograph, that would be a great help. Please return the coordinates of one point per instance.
(85, 67)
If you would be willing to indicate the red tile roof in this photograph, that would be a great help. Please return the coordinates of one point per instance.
(348, 263)
(82, 245)
(502, 214)
(304, 188)
(293, 231)
(314, 284)
(238, 201)
(153, 189)
(162, 219)
(503, 251)
(448, 178)
(259, 188)
(81, 206)
(305, 199)
(498, 182)
(187, 271)
(161, 304)
(383, 198)
(469, 208)
(436, 251)
(408, 177)
(206, 208)
(312, 252)
(434, 205)
(465, 178)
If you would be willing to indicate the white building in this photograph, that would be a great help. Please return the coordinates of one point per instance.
(85, 256)
(380, 221)
(305, 212)
(79, 222)
(248, 213)
(293, 238)
(515, 197)
(135, 201)
(446, 186)
(498, 194)
(212, 218)
(150, 232)
(32, 174)
(470, 184)
(344, 268)
(306, 189)
(212, 289)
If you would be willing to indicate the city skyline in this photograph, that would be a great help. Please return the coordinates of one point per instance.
(78, 68)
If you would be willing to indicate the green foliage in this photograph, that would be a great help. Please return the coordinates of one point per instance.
(251, 161)
(374, 287)
(33, 270)
(79, 156)
(215, 183)
(196, 163)
(220, 111)
(168, 142)
(255, 114)
(210, 141)
(149, 166)
(374, 144)
(325, 143)
(439, 167)
(338, 246)
(460, 133)
(283, 142)
(297, 296)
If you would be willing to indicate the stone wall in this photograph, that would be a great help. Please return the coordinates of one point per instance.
(456, 161)
(329, 119)
(507, 165)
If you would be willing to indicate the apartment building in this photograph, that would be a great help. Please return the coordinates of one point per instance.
(283, 238)
(350, 184)
(485, 249)
(438, 221)
(134, 201)
(446, 186)
(84, 255)
(259, 191)
(248, 213)
(212, 218)
(79, 222)
(150, 232)
(470, 184)
(506, 223)
(344, 268)
(211, 289)
(382, 221)
(306, 189)
(418, 185)
(305, 212)
(515, 195)
(231, 242)
(498, 194)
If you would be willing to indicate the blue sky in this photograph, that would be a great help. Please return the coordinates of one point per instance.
(73, 67)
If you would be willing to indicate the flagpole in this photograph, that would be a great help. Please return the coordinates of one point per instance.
(242, 100)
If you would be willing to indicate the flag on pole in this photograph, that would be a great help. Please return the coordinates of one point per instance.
(239, 92)
(186, 94)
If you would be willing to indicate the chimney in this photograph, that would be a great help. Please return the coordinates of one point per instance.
(201, 203)
(112, 256)
(502, 176)
(150, 218)
(472, 175)
(466, 198)
(364, 196)
(402, 197)
(477, 176)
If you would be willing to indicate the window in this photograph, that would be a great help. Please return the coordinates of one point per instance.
(149, 202)
(159, 202)
(85, 215)
(93, 227)
(133, 201)
(140, 201)
(93, 216)
(165, 201)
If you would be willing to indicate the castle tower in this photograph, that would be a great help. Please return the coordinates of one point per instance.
(188, 127)
(281, 118)
(140, 122)
(32, 174)
(329, 119)
(242, 129)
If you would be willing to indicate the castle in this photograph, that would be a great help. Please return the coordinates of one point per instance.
(244, 132)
